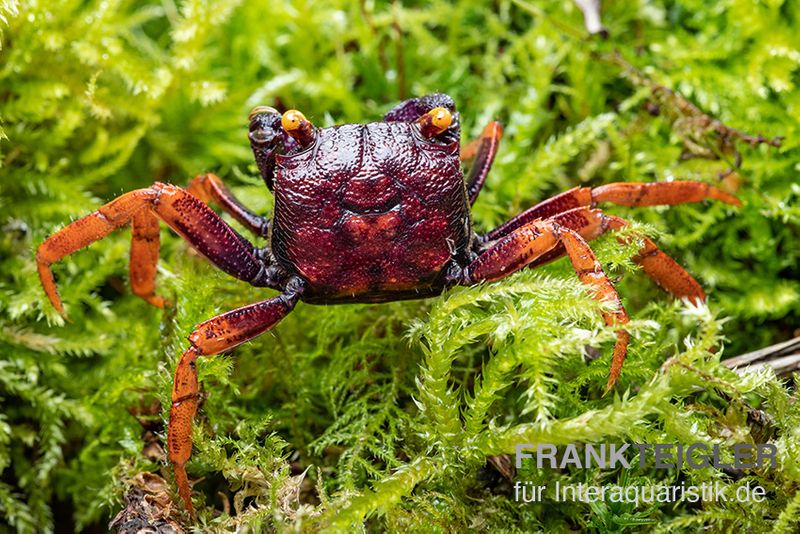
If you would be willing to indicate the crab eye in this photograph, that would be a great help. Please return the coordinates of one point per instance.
(292, 120)
(441, 118)
(298, 126)
(435, 122)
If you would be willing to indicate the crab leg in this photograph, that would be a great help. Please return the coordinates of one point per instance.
(665, 271)
(622, 193)
(145, 244)
(524, 245)
(590, 223)
(186, 214)
(211, 337)
(209, 187)
(482, 151)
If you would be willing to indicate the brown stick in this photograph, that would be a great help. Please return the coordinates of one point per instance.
(783, 358)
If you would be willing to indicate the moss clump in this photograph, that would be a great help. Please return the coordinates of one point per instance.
(388, 413)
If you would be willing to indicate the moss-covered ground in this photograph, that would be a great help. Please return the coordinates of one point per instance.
(385, 415)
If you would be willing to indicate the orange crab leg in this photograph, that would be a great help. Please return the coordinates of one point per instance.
(532, 245)
(183, 212)
(209, 187)
(623, 193)
(482, 150)
(524, 245)
(83, 232)
(590, 223)
(665, 271)
(585, 263)
(660, 193)
(145, 244)
(211, 337)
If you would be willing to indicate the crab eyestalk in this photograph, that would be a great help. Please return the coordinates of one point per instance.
(435, 122)
(298, 126)
(264, 126)
(266, 137)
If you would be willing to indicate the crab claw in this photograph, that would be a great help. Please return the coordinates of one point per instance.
(435, 122)
(298, 126)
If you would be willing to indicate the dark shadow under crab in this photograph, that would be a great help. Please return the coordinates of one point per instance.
(363, 213)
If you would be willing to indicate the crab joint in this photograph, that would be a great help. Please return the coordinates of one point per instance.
(298, 126)
(435, 122)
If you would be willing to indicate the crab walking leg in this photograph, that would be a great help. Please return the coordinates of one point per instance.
(184, 213)
(482, 151)
(211, 337)
(145, 244)
(209, 187)
(621, 193)
(590, 223)
(665, 271)
(524, 245)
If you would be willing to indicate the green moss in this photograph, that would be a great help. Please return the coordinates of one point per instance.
(388, 413)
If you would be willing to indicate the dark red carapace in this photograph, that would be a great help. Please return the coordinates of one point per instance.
(363, 213)
(371, 212)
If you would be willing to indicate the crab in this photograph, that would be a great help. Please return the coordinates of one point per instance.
(364, 213)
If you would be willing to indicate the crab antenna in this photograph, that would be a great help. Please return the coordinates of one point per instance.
(435, 122)
(298, 126)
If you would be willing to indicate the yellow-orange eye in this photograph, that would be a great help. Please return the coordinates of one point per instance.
(435, 122)
(441, 118)
(292, 120)
(298, 126)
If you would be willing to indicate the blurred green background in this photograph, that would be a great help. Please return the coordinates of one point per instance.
(98, 98)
